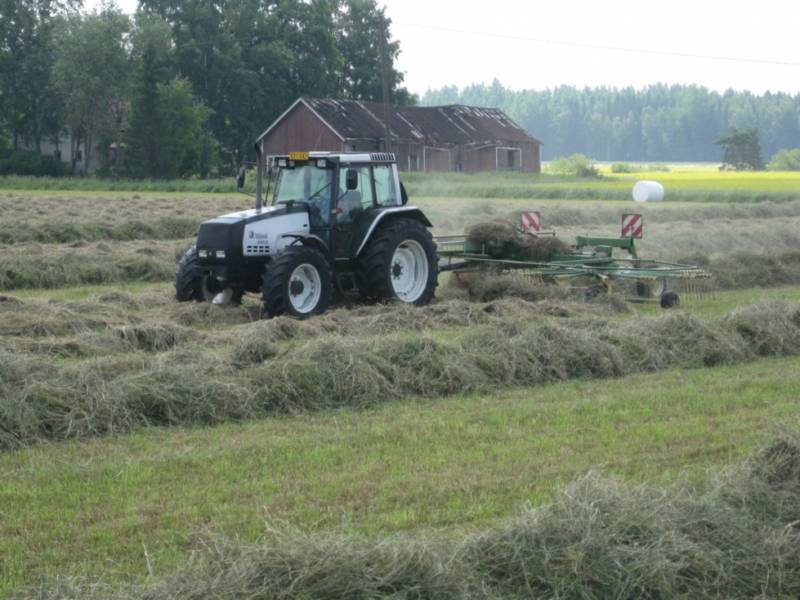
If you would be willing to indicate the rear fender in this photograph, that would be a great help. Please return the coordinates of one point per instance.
(388, 215)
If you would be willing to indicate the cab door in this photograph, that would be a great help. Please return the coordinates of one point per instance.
(320, 189)
(354, 207)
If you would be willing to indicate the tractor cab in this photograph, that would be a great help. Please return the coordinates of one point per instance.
(343, 192)
(334, 223)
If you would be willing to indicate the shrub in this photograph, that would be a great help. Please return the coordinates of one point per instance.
(577, 165)
(785, 160)
(624, 168)
(25, 162)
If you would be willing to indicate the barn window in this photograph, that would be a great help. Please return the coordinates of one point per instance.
(512, 159)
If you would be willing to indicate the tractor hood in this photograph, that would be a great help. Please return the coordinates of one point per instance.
(251, 233)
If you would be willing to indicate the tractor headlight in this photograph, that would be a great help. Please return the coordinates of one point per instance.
(321, 163)
(203, 253)
(220, 254)
(282, 162)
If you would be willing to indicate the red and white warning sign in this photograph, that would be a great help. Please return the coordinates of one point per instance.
(531, 221)
(632, 226)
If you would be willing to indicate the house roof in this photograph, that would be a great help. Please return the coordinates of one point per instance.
(431, 125)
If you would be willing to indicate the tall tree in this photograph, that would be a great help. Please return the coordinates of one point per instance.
(29, 107)
(91, 72)
(363, 34)
(657, 123)
(153, 65)
(742, 150)
(182, 138)
(250, 59)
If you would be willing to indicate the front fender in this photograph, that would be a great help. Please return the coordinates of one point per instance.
(308, 239)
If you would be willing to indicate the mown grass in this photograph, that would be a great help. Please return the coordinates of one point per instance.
(95, 507)
(59, 218)
(715, 180)
(687, 185)
(225, 185)
(59, 240)
(80, 369)
(84, 263)
(91, 359)
(681, 187)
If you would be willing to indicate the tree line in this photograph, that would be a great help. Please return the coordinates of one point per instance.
(657, 123)
(183, 87)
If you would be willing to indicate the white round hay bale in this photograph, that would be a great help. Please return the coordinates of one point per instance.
(648, 191)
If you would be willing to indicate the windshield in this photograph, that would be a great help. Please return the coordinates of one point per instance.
(307, 183)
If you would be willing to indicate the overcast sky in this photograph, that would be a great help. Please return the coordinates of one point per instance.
(488, 43)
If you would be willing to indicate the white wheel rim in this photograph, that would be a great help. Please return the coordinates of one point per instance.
(409, 271)
(305, 288)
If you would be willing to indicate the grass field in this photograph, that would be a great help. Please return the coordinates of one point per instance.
(135, 429)
(94, 507)
(689, 182)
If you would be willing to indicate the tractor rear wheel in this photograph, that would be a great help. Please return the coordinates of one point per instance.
(399, 262)
(192, 284)
(297, 282)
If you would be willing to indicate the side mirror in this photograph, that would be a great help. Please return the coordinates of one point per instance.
(240, 178)
(351, 178)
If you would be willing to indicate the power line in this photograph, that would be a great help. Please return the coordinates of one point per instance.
(572, 44)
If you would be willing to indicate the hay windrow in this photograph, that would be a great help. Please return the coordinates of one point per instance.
(171, 375)
(734, 538)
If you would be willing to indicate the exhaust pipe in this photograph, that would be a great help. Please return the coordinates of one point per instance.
(259, 175)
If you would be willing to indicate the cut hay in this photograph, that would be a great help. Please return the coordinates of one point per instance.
(599, 538)
(154, 337)
(170, 375)
(602, 539)
(498, 233)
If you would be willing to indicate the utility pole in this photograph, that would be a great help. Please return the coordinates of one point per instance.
(387, 143)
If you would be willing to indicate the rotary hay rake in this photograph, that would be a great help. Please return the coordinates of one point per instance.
(593, 264)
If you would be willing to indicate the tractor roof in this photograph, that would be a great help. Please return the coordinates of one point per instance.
(342, 157)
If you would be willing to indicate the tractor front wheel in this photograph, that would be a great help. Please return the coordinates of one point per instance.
(399, 262)
(297, 282)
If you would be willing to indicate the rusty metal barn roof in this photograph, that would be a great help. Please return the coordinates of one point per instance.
(431, 125)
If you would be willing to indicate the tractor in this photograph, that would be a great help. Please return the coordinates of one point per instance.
(338, 224)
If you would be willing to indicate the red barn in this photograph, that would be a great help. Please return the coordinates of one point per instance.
(435, 138)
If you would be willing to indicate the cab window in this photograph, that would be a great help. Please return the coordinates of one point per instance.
(352, 202)
(385, 186)
(306, 183)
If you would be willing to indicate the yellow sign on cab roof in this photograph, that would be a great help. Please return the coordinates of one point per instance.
(298, 155)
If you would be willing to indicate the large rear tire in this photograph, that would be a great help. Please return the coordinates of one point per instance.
(297, 282)
(399, 262)
(191, 284)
